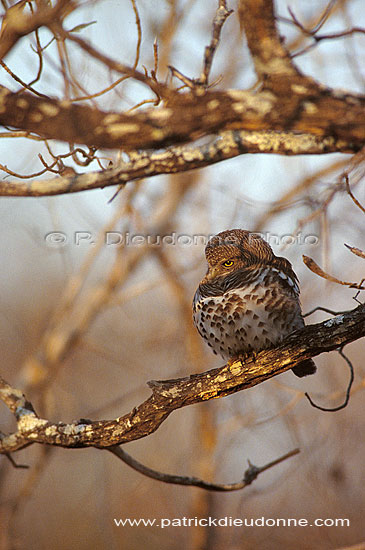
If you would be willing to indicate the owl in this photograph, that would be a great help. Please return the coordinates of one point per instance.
(249, 298)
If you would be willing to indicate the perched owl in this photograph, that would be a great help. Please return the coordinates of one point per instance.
(249, 299)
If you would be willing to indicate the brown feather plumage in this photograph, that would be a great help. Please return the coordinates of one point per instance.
(248, 299)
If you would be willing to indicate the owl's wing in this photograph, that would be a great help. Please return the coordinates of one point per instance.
(196, 299)
(287, 275)
(289, 283)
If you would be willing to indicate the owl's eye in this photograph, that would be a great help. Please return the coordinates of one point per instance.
(228, 263)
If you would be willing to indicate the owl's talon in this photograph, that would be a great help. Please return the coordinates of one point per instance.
(244, 357)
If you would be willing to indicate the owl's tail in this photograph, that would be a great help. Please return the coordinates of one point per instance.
(304, 368)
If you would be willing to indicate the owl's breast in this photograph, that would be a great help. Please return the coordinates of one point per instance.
(246, 319)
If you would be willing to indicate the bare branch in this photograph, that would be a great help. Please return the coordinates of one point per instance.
(356, 251)
(312, 33)
(17, 24)
(177, 159)
(348, 188)
(158, 87)
(221, 15)
(20, 81)
(306, 109)
(348, 390)
(15, 464)
(287, 101)
(311, 264)
(250, 474)
(268, 53)
(320, 308)
(189, 82)
(169, 395)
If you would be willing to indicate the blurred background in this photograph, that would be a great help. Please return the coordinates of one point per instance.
(86, 320)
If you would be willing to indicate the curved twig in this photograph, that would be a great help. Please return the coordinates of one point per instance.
(347, 397)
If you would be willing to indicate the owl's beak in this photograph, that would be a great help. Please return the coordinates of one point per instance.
(212, 273)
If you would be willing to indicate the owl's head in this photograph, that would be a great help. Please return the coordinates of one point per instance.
(235, 249)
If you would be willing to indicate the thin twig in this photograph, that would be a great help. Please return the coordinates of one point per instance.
(189, 82)
(220, 17)
(320, 308)
(348, 189)
(250, 474)
(157, 87)
(14, 464)
(139, 33)
(26, 176)
(20, 81)
(347, 397)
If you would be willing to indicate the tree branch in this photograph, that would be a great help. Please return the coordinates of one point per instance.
(17, 24)
(268, 53)
(179, 159)
(170, 395)
(220, 17)
(289, 113)
(250, 474)
(306, 109)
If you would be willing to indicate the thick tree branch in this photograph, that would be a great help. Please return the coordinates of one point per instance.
(179, 159)
(268, 53)
(287, 101)
(169, 395)
(17, 23)
(289, 113)
(306, 109)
